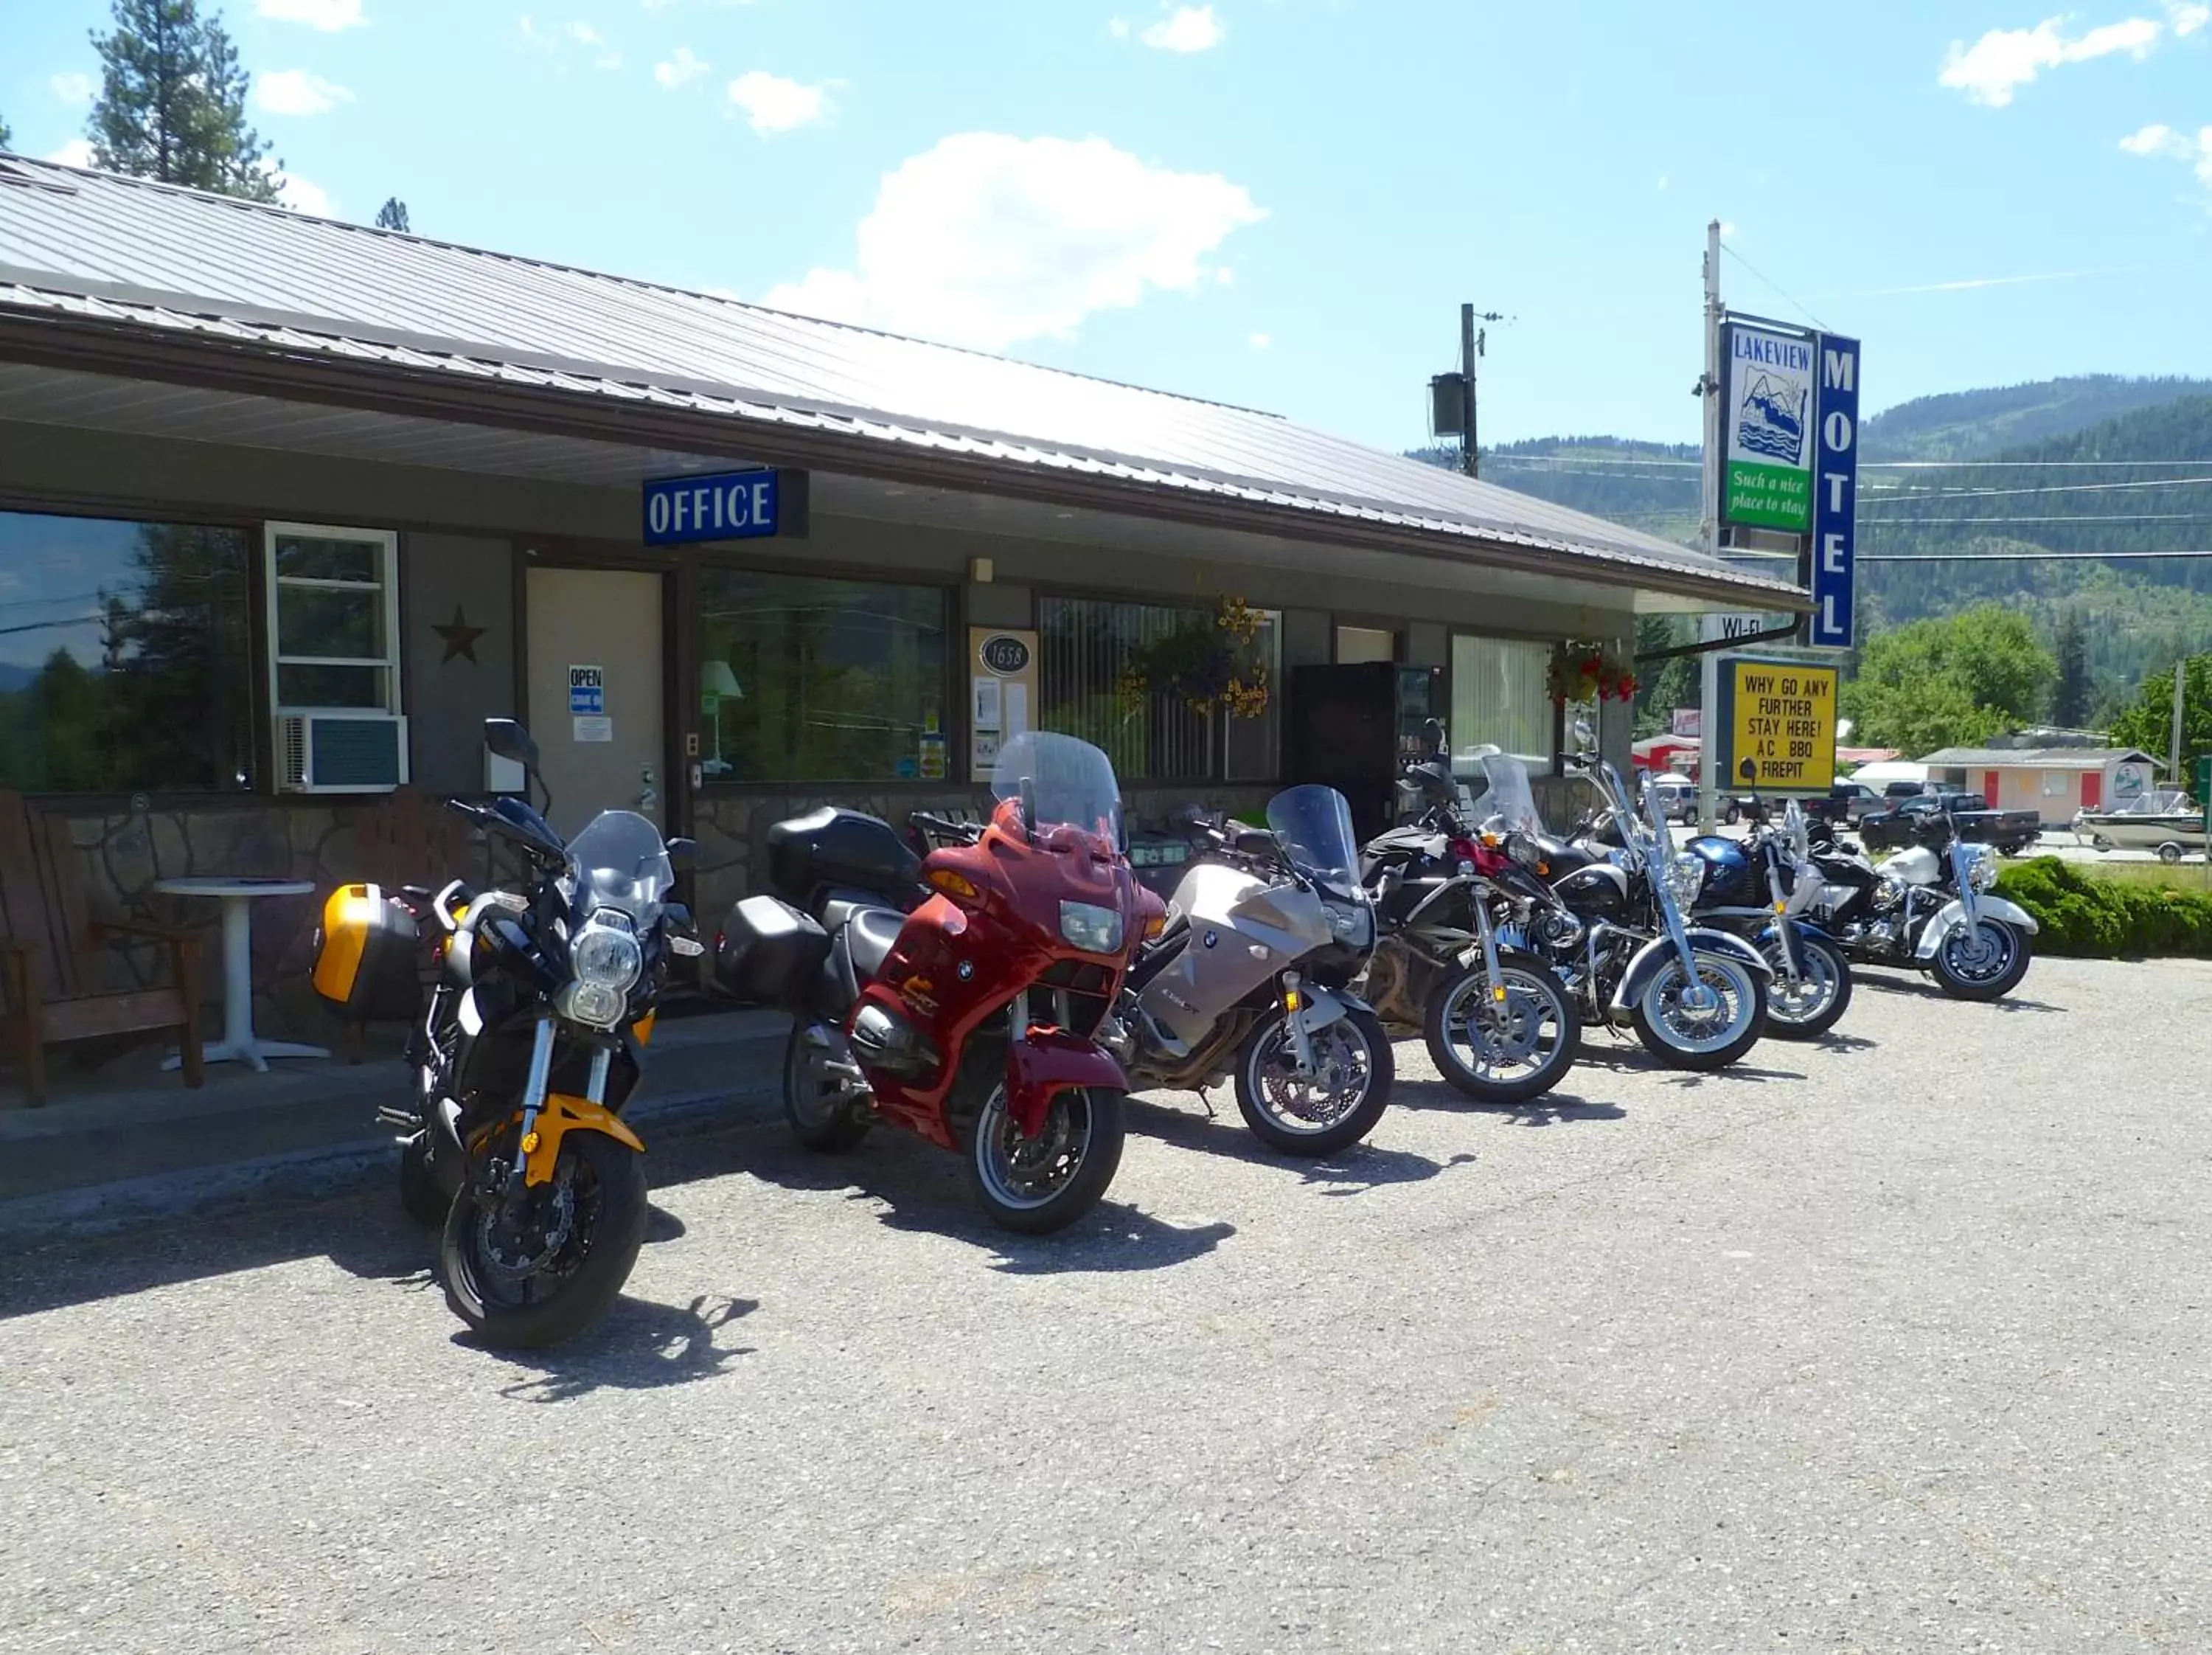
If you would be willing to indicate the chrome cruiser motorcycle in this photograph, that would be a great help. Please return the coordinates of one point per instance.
(541, 1003)
(1619, 937)
(1251, 978)
(1929, 908)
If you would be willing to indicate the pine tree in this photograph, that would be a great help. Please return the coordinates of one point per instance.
(171, 103)
(393, 214)
(2069, 701)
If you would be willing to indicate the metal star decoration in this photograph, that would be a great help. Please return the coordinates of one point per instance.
(460, 638)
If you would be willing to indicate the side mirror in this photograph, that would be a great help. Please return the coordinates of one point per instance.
(1255, 842)
(1585, 738)
(1189, 817)
(507, 740)
(1434, 729)
(682, 853)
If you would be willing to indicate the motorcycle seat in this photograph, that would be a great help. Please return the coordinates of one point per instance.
(1565, 857)
(870, 935)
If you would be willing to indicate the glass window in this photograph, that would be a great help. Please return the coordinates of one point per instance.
(808, 679)
(1501, 697)
(125, 656)
(1252, 748)
(333, 615)
(1087, 649)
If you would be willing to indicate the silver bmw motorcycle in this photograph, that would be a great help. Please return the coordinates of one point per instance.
(1250, 979)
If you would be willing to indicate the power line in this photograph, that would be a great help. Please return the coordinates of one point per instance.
(1887, 497)
(2009, 465)
(2019, 556)
(1776, 285)
(2074, 517)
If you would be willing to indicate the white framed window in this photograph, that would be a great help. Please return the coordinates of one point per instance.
(2055, 784)
(334, 681)
(333, 618)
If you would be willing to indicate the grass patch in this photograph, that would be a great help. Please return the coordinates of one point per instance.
(2127, 909)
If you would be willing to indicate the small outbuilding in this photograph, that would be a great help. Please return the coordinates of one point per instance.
(2055, 781)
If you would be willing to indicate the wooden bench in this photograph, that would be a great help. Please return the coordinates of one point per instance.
(50, 951)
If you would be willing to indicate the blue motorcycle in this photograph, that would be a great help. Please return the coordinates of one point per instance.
(1765, 891)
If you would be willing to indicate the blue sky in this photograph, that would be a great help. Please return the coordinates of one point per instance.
(1281, 203)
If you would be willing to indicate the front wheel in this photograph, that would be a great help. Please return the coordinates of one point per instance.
(1508, 1052)
(2169, 852)
(531, 1271)
(1705, 1023)
(1329, 1109)
(1982, 961)
(1039, 1184)
(1810, 1007)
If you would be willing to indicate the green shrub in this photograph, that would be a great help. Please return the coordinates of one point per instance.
(2083, 914)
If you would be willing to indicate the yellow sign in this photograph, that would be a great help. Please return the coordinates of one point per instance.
(1782, 726)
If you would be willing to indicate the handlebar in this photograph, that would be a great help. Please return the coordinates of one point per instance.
(926, 823)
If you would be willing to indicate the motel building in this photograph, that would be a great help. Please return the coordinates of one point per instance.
(288, 507)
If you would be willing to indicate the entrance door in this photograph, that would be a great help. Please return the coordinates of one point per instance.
(596, 691)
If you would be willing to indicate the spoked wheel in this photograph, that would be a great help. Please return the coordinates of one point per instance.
(532, 1271)
(1807, 1008)
(1982, 961)
(1328, 1110)
(1702, 1023)
(1043, 1183)
(817, 1100)
(1504, 1053)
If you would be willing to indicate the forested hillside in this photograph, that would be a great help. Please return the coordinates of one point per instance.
(2110, 465)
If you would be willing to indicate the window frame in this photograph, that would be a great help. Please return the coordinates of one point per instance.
(394, 704)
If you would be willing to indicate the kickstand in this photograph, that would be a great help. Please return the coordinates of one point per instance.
(1209, 1103)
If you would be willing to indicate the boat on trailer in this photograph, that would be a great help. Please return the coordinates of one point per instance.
(2165, 820)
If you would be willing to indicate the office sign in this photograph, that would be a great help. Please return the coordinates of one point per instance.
(1766, 478)
(1835, 493)
(726, 506)
(1777, 726)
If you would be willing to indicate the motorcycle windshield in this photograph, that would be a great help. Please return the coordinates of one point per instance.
(1313, 824)
(1498, 784)
(1059, 781)
(620, 862)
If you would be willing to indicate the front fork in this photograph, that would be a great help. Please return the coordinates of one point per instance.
(1487, 929)
(1792, 967)
(1301, 1042)
(535, 1085)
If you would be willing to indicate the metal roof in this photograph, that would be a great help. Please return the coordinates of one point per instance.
(2032, 758)
(110, 256)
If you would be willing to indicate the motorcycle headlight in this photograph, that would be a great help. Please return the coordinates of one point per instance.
(603, 957)
(1981, 868)
(1685, 877)
(1093, 929)
(594, 1003)
(1351, 923)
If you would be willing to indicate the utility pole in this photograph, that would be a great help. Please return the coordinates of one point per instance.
(1470, 352)
(2174, 749)
(1708, 526)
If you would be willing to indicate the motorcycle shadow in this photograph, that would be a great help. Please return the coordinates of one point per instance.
(638, 1345)
(1634, 1060)
(1552, 1109)
(921, 1190)
(1912, 985)
(1353, 1172)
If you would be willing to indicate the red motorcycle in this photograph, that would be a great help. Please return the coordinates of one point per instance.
(961, 995)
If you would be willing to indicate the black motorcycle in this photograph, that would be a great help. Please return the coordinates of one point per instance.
(540, 1005)
(1498, 1023)
(1929, 908)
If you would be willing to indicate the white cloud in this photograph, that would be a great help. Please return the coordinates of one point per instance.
(988, 239)
(78, 152)
(2162, 143)
(683, 67)
(296, 92)
(1261, 341)
(302, 197)
(560, 39)
(326, 15)
(1188, 28)
(72, 87)
(2187, 16)
(774, 104)
(1992, 68)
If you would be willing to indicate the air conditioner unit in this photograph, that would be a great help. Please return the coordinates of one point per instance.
(340, 752)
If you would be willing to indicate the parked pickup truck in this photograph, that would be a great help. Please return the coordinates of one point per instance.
(2010, 830)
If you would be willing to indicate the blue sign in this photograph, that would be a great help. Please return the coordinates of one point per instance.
(726, 506)
(1835, 493)
(587, 692)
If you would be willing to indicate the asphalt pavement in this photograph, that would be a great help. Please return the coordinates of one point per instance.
(1892, 1343)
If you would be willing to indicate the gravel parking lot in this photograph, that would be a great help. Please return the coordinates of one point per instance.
(1896, 1343)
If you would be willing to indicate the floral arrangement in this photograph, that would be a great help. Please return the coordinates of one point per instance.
(1204, 666)
(1583, 672)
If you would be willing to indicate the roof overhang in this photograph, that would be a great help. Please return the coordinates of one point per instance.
(101, 335)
